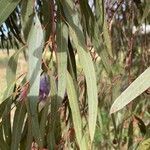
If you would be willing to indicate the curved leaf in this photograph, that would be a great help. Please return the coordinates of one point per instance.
(86, 63)
(6, 8)
(27, 16)
(136, 88)
(73, 102)
(17, 125)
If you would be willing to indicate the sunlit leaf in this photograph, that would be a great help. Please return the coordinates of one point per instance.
(73, 102)
(136, 88)
(86, 63)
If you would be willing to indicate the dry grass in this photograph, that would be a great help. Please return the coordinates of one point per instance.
(4, 57)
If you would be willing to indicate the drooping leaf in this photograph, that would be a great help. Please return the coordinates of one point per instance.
(136, 88)
(3, 144)
(3, 105)
(18, 122)
(75, 30)
(62, 47)
(6, 121)
(73, 102)
(29, 138)
(47, 9)
(54, 120)
(27, 16)
(71, 61)
(11, 73)
(35, 47)
(130, 135)
(6, 8)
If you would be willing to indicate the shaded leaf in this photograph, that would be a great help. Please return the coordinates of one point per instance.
(3, 144)
(35, 47)
(62, 47)
(130, 134)
(11, 73)
(54, 120)
(18, 122)
(141, 125)
(27, 16)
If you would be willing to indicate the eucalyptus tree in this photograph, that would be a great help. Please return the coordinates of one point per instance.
(81, 56)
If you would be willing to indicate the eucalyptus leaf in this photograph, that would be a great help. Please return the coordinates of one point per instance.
(75, 30)
(136, 88)
(62, 46)
(77, 121)
(35, 47)
(6, 8)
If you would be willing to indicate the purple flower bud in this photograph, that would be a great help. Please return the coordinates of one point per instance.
(44, 86)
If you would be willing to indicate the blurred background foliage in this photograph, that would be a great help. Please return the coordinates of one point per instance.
(81, 55)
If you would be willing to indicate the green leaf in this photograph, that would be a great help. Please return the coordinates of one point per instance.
(99, 12)
(18, 122)
(73, 102)
(3, 105)
(6, 8)
(11, 74)
(29, 138)
(72, 68)
(43, 120)
(6, 121)
(136, 88)
(47, 17)
(77, 36)
(3, 144)
(35, 47)
(54, 120)
(62, 47)
(130, 135)
(88, 16)
(27, 16)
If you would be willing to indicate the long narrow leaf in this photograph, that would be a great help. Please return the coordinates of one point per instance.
(136, 88)
(6, 8)
(35, 46)
(73, 101)
(62, 45)
(17, 126)
(86, 62)
(27, 16)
